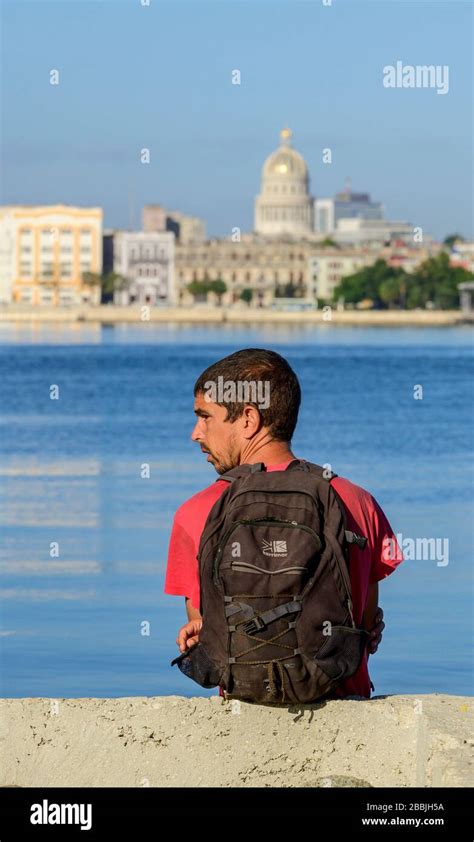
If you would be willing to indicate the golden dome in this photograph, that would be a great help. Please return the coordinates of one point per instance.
(285, 162)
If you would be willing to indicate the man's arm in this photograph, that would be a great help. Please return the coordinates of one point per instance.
(371, 606)
(372, 619)
(188, 634)
(191, 611)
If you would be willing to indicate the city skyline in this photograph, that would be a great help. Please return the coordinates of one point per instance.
(208, 138)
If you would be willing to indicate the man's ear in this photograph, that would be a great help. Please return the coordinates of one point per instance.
(252, 419)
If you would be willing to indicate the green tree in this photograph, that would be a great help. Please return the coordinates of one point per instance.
(367, 283)
(328, 242)
(111, 283)
(437, 281)
(219, 287)
(198, 288)
(92, 279)
(287, 290)
(246, 295)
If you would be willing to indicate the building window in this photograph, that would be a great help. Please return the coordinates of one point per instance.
(66, 270)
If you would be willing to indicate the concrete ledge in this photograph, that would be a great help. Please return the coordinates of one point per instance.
(164, 741)
(241, 315)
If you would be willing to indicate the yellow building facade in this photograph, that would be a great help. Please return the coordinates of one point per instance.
(46, 253)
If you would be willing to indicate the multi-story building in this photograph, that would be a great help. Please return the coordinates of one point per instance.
(146, 261)
(375, 232)
(328, 267)
(47, 252)
(345, 205)
(187, 229)
(264, 265)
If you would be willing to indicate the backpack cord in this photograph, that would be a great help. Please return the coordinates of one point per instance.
(271, 683)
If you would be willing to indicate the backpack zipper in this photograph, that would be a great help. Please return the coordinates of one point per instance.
(259, 520)
(265, 491)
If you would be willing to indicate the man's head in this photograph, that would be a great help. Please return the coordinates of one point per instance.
(245, 403)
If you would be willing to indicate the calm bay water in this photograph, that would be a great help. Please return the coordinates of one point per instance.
(71, 625)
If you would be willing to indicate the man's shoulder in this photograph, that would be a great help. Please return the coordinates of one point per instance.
(200, 502)
(350, 490)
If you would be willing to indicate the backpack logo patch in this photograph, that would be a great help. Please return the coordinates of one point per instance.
(274, 548)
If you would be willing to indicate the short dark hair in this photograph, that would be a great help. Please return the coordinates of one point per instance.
(259, 364)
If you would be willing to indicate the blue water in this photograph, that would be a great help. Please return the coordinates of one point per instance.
(72, 626)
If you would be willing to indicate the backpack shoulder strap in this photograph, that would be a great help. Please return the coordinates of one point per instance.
(241, 471)
(311, 467)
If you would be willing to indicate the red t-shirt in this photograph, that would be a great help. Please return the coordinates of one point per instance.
(364, 516)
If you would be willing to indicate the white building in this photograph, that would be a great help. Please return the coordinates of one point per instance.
(284, 205)
(326, 270)
(375, 232)
(47, 251)
(146, 261)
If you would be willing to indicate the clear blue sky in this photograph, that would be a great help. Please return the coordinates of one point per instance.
(133, 76)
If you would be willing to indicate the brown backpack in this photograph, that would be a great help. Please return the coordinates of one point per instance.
(278, 623)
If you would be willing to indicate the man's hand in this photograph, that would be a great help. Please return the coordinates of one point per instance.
(188, 635)
(376, 632)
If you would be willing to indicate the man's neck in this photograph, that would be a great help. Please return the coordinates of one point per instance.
(270, 455)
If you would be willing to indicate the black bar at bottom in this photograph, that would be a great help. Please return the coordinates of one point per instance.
(370, 812)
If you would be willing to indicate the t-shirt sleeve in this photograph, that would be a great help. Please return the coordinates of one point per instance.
(182, 569)
(387, 554)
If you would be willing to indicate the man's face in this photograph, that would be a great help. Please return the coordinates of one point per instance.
(216, 437)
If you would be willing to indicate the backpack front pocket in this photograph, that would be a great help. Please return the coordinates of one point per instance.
(275, 552)
(341, 654)
(200, 667)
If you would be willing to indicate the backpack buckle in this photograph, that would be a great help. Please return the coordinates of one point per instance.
(254, 625)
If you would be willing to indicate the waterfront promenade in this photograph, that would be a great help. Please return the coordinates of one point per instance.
(200, 314)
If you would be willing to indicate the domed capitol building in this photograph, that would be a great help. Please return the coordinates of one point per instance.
(282, 256)
(284, 205)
